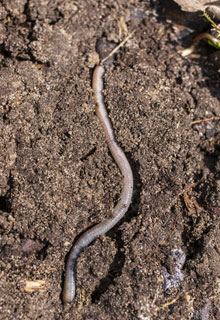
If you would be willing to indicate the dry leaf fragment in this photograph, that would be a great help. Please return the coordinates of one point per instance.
(195, 5)
(35, 286)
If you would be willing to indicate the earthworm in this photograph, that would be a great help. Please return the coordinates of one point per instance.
(126, 195)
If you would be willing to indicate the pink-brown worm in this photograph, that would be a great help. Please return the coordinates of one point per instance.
(121, 208)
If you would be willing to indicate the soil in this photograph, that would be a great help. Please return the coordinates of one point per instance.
(58, 178)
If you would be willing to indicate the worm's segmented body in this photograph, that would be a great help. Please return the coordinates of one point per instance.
(126, 195)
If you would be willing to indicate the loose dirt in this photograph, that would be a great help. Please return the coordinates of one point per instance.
(58, 178)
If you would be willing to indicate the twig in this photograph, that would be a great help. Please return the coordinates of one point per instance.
(116, 48)
(205, 120)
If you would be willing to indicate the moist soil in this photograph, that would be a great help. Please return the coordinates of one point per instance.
(58, 178)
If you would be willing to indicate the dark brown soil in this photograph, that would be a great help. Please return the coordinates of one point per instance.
(57, 177)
